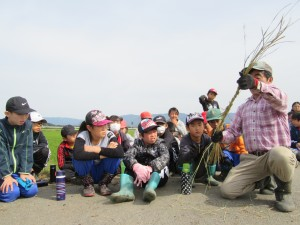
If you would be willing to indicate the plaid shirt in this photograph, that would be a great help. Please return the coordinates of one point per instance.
(262, 122)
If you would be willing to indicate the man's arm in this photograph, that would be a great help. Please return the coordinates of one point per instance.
(277, 98)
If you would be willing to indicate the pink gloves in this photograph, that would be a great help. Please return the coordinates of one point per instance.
(142, 173)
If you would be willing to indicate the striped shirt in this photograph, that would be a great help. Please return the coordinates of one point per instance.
(263, 122)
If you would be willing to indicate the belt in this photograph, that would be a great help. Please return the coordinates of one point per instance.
(258, 153)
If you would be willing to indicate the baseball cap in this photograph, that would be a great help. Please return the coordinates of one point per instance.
(37, 117)
(67, 130)
(159, 119)
(146, 125)
(213, 90)
(262, 66)
(213, 114)
(193, 116)
(18, 105)
(115, 118)
(123, 124)
(96, 118)
(146, 115)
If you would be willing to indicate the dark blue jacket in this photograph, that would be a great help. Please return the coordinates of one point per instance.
(295, 136)
(191, 151)
(16, 154)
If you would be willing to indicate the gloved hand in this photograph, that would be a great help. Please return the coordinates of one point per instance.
(247, 82)
(217, 136)
(142, 173)
(202, 99)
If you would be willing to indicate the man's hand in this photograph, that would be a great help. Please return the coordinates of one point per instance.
(217, 136)
(247, 82)
(8, 184)
(27, 176)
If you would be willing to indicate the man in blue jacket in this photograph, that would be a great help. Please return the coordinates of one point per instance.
(16, 154)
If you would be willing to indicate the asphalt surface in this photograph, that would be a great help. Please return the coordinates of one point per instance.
(203, 206)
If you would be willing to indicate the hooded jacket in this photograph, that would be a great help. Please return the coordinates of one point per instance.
(16, 151)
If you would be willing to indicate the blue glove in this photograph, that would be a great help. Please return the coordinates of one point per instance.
(25, 184)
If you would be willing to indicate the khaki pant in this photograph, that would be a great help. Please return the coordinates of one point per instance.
(279, 161)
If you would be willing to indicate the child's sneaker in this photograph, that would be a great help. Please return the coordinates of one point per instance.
(88, 191)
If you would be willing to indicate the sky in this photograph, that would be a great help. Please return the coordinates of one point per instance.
(128, 56)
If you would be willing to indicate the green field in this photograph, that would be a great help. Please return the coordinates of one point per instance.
(54, 139)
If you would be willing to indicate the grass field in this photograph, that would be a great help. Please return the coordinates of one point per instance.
(54, 139)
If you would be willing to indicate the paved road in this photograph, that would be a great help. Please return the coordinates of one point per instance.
(203, 206)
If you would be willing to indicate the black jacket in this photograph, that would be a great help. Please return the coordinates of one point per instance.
(191, 151)
(206, 105)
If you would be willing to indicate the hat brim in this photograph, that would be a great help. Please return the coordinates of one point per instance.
(43, 121)
(202, 119)
(257, 68)
(212, 91)
(72, 132)
(213, 118)
(102, 123)
(160, 121)
(150, 128)
(23, 111)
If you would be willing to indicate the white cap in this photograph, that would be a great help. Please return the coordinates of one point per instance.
(37, 117)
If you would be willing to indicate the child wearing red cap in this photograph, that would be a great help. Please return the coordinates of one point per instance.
(124, 129)
(208, 101)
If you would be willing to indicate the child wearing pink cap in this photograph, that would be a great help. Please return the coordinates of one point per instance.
(97, 153)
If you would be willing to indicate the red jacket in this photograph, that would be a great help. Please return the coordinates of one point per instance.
(64, 156)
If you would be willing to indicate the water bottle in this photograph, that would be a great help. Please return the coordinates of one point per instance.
(186, 185)
(52, 173)
(60, 185)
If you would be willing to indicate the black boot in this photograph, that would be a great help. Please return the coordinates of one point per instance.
(104, 190)
(88, 186)
(283, 194)
(266, 186)
(298, 156)
(222, 176)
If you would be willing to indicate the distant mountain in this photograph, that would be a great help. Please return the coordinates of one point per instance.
(61, 121)
(131, 119)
